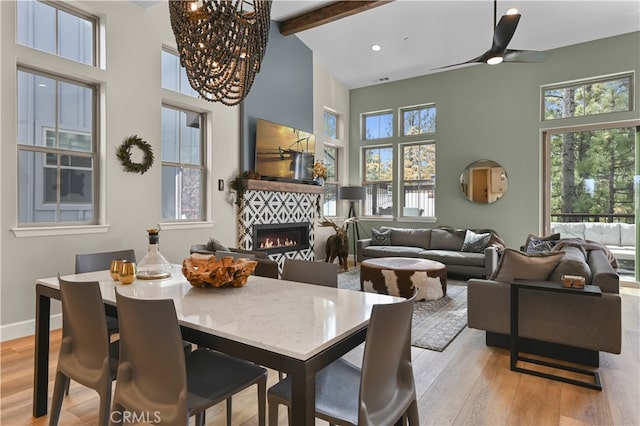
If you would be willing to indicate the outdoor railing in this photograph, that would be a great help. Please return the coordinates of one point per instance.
(591, 217)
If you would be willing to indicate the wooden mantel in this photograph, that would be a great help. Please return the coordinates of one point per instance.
(270, 185)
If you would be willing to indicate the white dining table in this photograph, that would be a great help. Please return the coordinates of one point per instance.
(284, 325)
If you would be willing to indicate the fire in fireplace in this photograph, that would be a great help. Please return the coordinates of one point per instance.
(281, 237)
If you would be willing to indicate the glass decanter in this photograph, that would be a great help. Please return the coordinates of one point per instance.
(153, 265)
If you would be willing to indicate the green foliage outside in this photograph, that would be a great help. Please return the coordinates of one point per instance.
(591, 171)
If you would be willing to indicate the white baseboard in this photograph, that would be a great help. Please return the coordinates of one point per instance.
(26, 328)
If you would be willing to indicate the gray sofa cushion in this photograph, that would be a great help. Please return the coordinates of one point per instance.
(442, 239)
(454, 257)
(409, 237)
(392, 251)
(573, 263)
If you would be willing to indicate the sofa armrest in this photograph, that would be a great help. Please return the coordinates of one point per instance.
(602, 273)
(361, 245)
(490, 261)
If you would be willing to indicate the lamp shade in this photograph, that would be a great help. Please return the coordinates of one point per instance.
(352, 193)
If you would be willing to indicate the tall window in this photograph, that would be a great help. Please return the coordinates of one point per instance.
(377, 125)
(592, 175)
(417, 187)
(330, 125)
(56, 29)
(331, 182)
(174, 76)
(57, 150)
(378, 180)
(589, 97)
(183, 183)
(418, 120)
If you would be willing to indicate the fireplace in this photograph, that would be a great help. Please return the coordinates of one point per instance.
(281, 237)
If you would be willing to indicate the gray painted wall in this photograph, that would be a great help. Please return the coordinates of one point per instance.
(493, 112)
(282, 91)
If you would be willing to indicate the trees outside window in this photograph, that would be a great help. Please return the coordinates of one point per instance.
(418, 120)
(591, 177)
(417, 187)
(591, 166)
(378, 180)
(591, 97)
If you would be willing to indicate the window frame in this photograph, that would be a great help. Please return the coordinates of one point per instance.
(203, 167)
(585, 82)
(181, 73)
(336, 182)
(366, 183)
(65, 7)
(401, 119)
(429, 213)
(363, 124)
(39, 173)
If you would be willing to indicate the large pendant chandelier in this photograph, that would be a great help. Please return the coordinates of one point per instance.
(221, 44)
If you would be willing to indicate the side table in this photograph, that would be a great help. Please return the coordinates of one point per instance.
(588, 290)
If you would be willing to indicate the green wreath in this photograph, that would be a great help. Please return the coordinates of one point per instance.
(124, 154)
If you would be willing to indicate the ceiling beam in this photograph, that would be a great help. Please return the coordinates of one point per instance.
(329, 13)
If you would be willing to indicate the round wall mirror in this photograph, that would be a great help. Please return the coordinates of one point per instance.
(484, 182)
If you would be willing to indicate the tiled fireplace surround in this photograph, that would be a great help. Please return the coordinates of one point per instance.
(279, 203)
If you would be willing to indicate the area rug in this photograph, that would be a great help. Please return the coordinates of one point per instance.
(435, 323)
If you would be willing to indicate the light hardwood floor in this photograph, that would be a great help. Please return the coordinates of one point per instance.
(467, 384)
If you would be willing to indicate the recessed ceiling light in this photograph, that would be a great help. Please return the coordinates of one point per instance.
(376, 48)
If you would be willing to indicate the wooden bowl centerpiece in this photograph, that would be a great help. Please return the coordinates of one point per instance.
(203, 270)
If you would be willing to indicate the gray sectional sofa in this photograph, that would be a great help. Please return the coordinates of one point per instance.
(561, 325)
(443, 244)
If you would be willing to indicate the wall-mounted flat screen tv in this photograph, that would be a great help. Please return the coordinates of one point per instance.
(284, 153)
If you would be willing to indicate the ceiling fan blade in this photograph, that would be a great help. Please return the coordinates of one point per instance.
(513, 55)
(503, 33)
(470, 61)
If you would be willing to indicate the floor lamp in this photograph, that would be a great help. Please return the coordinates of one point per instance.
(353, 194)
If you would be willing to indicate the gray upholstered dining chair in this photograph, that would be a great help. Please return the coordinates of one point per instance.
(92, 262)
(382, 392)
(86, 356)
(304, 271)
(319, 273)
(155, 377)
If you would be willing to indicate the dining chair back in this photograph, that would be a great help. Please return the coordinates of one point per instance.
(155, 377)
(86, 356)
(382, 392)
(92, 262)
(319, 273)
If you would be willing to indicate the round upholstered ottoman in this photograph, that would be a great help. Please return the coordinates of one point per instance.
(397, 276)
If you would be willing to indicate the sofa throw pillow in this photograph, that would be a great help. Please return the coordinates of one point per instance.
(475, 243)
(380, 238)
(539, 246)
(536, 244)
(215, 245)
(516, 265)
